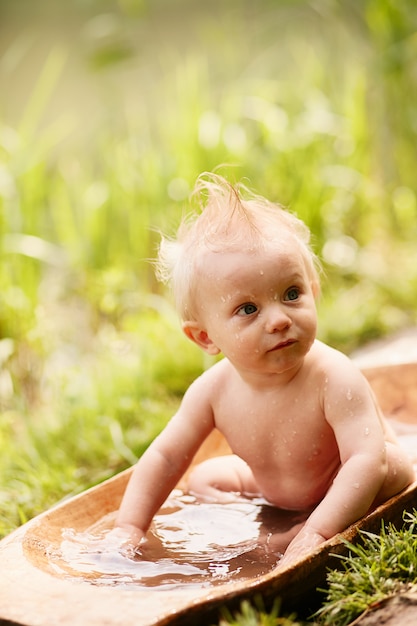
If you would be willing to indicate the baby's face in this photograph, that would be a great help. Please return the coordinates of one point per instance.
(258, 308)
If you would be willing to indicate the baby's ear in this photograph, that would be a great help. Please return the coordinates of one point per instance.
(315, 286)
(200, 337)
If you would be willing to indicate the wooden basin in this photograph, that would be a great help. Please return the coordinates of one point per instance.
(33, 593)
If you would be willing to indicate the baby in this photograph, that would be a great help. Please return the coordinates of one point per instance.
(302, 422)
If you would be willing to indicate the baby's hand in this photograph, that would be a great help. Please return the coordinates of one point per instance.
(123, 539)
(302, 544)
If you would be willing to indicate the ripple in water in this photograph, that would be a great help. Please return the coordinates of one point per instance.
(188, 543)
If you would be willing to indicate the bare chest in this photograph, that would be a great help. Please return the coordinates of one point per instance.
(272, 429)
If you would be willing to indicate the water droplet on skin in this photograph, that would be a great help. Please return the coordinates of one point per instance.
(356, 485)
(349, 395)
(366, 432)
(261, 272)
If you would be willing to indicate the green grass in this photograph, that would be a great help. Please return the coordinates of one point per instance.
(256, 615)
(102, 134)
(103, 399)
(375, 569)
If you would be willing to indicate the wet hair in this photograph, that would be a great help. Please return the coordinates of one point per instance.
(228, 217)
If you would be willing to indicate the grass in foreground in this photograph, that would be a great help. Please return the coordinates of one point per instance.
(378, 567)
(255, 615)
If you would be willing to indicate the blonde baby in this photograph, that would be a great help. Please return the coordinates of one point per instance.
(304, 427)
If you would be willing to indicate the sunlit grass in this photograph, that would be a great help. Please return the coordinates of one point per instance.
(100, 404)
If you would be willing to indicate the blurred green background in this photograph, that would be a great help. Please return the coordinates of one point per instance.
(109, 110)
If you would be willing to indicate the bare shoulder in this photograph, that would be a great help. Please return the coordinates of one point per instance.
(207, 387)
(196, 411)
(333, 363)
(339, 375)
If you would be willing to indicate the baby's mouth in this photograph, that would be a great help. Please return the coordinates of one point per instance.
(282, 344)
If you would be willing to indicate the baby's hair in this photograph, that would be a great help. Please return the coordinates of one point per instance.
(229, 217)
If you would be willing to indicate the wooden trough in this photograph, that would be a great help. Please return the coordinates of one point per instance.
(33, 593)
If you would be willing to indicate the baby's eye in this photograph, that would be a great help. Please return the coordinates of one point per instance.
(247, 309)
(292, 294)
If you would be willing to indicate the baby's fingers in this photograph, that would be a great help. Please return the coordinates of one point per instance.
(123, 540)
(302, 545)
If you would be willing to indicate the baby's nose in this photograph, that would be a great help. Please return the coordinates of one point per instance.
(277, 319)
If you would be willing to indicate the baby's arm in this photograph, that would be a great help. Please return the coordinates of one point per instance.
(164, 462)
(351, 495)
(350, 409)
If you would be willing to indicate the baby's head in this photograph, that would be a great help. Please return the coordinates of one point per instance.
(230, 218)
